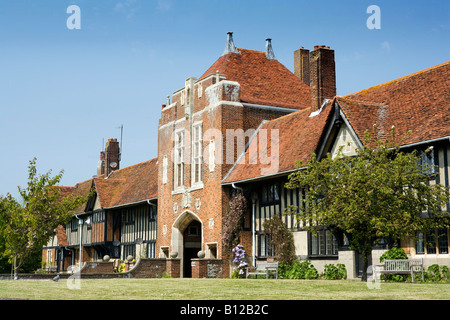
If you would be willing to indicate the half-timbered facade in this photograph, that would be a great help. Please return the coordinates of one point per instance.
(118, 219)
(241, 127)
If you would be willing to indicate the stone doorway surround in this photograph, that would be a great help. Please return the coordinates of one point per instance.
(177, 242)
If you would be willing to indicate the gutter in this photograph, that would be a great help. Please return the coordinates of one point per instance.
(131, 204)
(273, 108)
(262, 177)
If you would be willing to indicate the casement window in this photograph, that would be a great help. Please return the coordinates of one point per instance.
(129, 250)
(197, 154)
(270, 193)
(265, 249)
(179, 160)
(151, 249)
(74, 225)
(324, 243)
(127, 217)
(98, 216)
(433, 242)
(426, 162)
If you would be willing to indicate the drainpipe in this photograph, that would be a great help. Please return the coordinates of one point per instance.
(254, 199)
(80, 226)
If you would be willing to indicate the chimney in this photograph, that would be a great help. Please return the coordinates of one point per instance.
(269, 51)
(301, 64)
(112, 156)
(323, 75)
(101, 164)
(230, 48)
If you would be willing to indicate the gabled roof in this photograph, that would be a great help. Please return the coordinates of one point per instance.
(299, 136)
(262, 81)
(419, 102)
(129, 185)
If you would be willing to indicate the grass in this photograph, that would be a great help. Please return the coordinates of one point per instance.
(219, 289)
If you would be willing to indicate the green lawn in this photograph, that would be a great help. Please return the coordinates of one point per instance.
(220, 289)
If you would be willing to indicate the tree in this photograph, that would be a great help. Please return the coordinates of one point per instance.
(28, 224)
(381, 193)
(282, 240)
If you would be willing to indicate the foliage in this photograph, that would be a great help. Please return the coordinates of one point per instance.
(335, 272)
(380, 193)
(28, 224)
(393, 253)
(239, 260)
(299, 270)
(437, 273)
(281, 239)
(232, 221)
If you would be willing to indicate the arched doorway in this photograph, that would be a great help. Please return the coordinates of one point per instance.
(187, 240)
(192, 244)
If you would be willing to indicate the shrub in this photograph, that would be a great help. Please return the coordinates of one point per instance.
(335, 272)
(282, 240)
(393, 254)
(437, 273)
(299, 270)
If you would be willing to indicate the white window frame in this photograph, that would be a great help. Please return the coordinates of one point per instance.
(197, 155)
(178, 177)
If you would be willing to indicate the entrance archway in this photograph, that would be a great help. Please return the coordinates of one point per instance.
(187, 239)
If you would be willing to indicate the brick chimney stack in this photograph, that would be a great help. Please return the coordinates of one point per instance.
(101, 164)
(112, 156)
(301, 64)
(323, 75)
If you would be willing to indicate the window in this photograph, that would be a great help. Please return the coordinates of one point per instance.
(443, 241)
(129, 250)
(197, 146)
(324, 243)
(427, 161)
(98, 217)
(179, 159)
(265, 249)
(420, 247)
(127, 217)
(151, 249)
(270, 193)
(74, 225)
(432, 242)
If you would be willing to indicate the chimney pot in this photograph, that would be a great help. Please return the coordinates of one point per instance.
(269, 51)
(230, 48)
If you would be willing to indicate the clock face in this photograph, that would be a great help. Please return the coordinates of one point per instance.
(113, 164)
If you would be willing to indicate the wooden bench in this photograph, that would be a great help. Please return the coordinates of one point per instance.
(400, 266)
(263, 268)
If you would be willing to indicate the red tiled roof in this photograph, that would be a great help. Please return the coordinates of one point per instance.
(262, 81)
(299, 137)
(132, 184)
(419, 102)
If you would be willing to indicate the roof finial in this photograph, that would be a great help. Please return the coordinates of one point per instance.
(269, 51)
(230, 48)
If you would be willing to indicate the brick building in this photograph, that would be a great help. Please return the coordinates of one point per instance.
(240, 127)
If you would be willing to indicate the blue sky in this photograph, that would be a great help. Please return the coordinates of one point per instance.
(62, 92)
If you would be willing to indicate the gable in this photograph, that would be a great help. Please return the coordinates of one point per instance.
(346, 140)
